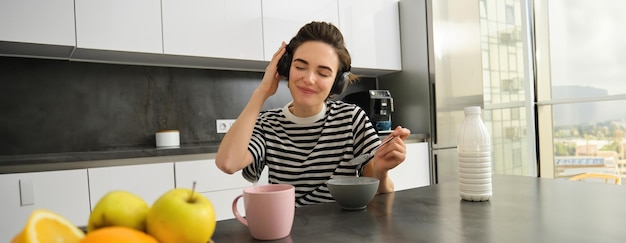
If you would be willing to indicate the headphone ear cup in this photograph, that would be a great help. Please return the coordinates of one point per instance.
(284, 64)
(340, 83)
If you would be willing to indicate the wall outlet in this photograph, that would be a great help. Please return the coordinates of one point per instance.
(223, 125)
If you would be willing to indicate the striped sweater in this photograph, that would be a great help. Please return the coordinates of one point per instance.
(306, 152)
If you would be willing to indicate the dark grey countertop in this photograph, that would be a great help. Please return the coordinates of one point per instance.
(81, 160)
(113, 153)
(115, 156)
(522, 209)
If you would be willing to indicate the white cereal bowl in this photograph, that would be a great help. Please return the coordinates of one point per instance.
(353, 193)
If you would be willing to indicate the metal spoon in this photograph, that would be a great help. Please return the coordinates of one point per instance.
(359, 160)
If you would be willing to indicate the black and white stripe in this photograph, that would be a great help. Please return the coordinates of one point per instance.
(308, 153)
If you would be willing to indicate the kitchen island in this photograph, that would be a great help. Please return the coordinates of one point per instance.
(522, 209)
(71, 188)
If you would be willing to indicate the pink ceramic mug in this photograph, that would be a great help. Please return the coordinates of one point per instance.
(269, 210)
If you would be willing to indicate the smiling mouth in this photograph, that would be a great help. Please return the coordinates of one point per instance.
(306, 91)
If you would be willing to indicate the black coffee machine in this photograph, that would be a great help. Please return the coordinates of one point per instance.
(378, 104)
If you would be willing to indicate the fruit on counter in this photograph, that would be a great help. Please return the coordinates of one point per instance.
(118, 234)
(181, 215)
(46, 226)
(119, 208)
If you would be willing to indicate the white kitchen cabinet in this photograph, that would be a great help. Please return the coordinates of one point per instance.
(119, 25)
(217, 186)
(283, 18)
(63, 192)
(37, 21)
(371, 30)
(222, 203)
(219, 28)
(414, 171)
(149, 181)
(207, 176)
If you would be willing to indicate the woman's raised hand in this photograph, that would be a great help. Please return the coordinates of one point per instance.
(269, 84)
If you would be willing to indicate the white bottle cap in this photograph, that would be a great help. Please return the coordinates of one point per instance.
(472, 109)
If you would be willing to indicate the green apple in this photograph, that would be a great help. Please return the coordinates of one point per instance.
(119, 208)
(181, 215)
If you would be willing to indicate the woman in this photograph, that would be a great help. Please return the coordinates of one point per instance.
(312, 138)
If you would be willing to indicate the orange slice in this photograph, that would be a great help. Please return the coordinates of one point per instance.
(44, 226)
(118, 234)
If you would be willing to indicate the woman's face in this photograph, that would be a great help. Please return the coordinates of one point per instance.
(312, 73)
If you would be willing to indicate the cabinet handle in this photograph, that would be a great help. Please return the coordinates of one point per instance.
(27, 192)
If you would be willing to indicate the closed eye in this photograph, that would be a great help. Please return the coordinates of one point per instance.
(324, 71)
(325, 75)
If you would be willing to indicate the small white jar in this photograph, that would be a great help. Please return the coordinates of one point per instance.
(167, 138)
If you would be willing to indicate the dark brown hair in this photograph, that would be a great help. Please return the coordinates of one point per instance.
(329, 34)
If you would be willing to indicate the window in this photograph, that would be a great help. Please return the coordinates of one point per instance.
(580, 83)
(491, 36)
(508, 95)
(552, 75)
